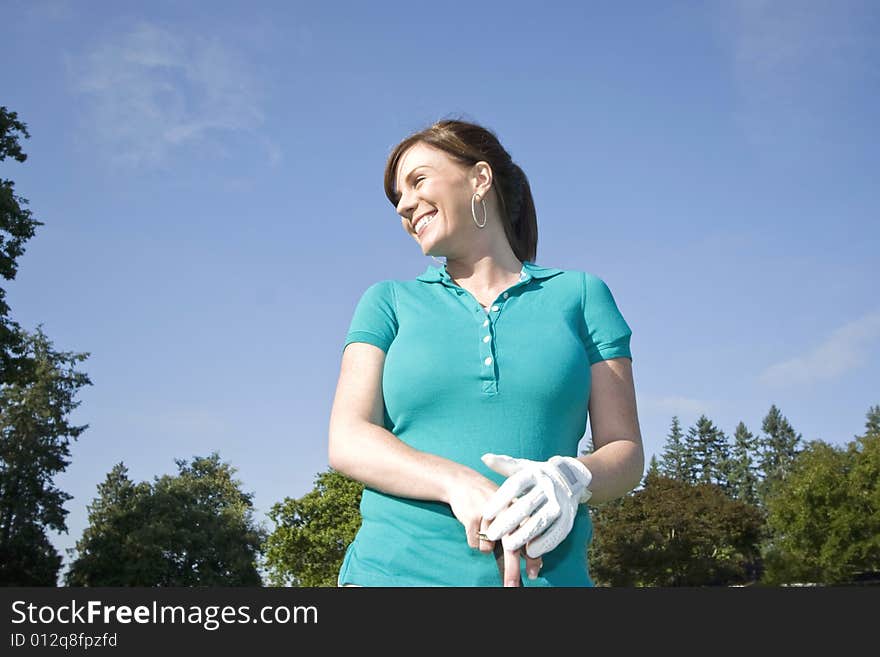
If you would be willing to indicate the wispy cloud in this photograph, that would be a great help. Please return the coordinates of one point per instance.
(841, 352)
(152, 91)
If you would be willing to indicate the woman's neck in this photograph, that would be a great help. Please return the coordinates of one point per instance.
(484, 274)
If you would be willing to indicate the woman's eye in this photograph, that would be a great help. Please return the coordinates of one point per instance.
(419, 179)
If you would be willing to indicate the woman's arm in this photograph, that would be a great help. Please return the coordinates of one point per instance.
(361, 448)
(618, 457)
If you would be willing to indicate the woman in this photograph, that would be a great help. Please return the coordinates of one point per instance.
(476, 373)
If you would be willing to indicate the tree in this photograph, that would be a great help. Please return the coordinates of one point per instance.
(17, 225)
(195, 528)
(864, 491)
(312, 533)
(653, 469)
(872, 424)
(803, 512)
(824, 516)
(35, 437)
(742, 473)
(778, 449)
(671, 533)
(676, 461)
(117, 521)
(707, 447)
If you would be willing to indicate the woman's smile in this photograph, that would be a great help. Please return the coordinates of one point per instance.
(426, 221)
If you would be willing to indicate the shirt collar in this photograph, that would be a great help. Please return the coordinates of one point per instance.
(528, 272)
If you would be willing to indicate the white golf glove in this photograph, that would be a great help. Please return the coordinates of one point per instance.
(537, 503)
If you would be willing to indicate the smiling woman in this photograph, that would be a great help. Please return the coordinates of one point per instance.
(427, 173)
(463, 393)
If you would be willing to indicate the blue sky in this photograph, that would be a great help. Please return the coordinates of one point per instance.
(210, 179)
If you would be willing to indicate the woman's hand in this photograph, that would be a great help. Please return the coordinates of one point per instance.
(467, 496)
(536, 506)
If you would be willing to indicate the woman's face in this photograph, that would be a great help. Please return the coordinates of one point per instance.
(435, 196)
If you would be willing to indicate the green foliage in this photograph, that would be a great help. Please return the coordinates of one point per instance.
(37, 386)
(864, 491)
(872, 425)
(35, 440)
(676, 462)
(824, 516)
(778, 448)
(195, 528)
(27, 558)
(9, 145)
(671, 533)
(652, 471)
(16, 227)
(707, 447)
(312, 532)
(742, 472)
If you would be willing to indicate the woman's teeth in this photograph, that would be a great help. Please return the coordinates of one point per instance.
(424, 222)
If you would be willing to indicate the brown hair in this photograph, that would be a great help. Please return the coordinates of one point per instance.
(469, 143)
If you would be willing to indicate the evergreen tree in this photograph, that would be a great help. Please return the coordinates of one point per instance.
(708, 450)
(35, 435)
(653, 470)
(117, 516)
(723, 462)
(17, 226)
(872, 424)
(743, 473)
(195, 528)
(37, 386)
(778, 447)
(676, 460)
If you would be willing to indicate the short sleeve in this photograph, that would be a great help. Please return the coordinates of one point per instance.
(375, 317)
(608, 334)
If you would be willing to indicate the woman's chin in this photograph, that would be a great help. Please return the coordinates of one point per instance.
(429, 248)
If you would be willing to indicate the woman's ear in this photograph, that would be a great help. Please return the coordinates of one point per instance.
(481, 176)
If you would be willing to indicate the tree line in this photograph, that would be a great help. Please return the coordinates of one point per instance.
(767, 509)
(712, 510)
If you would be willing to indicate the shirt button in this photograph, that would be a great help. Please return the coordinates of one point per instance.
(488, 361)
(486, 323)
(487, 338)
(506, 295)
(494, 309)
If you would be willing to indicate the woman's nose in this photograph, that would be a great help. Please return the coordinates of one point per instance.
(405, 205)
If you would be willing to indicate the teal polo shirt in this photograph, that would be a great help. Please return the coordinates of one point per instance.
(460, 381)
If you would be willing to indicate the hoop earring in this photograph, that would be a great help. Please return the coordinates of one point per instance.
(474, 211)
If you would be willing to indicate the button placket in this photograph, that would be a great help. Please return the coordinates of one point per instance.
(487, 320)
(488, 345)
(488, 350)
